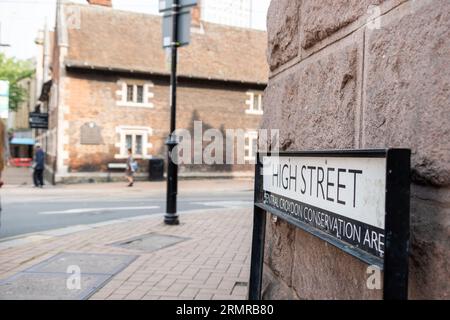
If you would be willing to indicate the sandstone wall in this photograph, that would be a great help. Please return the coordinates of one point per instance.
(362, 74)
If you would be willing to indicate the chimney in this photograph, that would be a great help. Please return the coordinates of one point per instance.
(105, 3)
(196, 14)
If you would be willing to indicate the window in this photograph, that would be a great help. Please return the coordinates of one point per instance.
(251, 146)
(134, 142)
(254, 103)
(140, 94)
(128, 142)
(134, 138)
(135, 95)
(138, 145)
(130, 90)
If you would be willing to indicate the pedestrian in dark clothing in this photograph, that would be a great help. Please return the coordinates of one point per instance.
(38, 166)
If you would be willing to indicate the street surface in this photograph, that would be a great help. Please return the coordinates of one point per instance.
(27, 209)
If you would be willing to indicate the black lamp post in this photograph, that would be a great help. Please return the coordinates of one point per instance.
(171, 217)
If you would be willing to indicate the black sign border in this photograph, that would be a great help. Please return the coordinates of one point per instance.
(397, 224)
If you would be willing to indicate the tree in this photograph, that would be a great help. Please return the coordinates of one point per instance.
(14, 70)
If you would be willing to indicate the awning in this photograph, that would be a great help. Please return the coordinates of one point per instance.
(23, 141)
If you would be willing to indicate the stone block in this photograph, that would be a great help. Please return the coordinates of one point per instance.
(407, 87)
(282, 30)
(274, 289)
(320, 19)
(278, 251)
(328, 101)
(282, 91)
(315, 104)
(323, 271)
(429, 268)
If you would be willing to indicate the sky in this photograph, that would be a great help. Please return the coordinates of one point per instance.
(20, 20)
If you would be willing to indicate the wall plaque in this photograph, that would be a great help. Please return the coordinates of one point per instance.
(90, 133)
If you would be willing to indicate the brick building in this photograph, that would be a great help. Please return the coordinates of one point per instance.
(110, 89)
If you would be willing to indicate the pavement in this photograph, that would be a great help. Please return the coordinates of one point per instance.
(135, 256)
(211, 261)
(17, 175)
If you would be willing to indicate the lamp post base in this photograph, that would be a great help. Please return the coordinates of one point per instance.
(171, 216)
(171, 219)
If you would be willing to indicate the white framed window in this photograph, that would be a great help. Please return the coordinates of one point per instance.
(134, 138)
(254, 103)
(251, 146)
(134, 142)
(134, 95)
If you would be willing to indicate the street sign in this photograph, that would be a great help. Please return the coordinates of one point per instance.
(38, 120)
(4, 99)
(166, 5)
(356, 200)
(183, 27)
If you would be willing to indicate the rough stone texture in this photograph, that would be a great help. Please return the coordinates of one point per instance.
(408, 88)
(320, 19)
(407, 99)
(327, 101)
(324, 272)
(430, 241)
(282, 92)
(319, 101)
(405, 92)
(282, 29)
(279, 252)
(301, 266)
(274, 289)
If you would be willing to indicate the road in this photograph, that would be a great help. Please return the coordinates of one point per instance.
(29, 210)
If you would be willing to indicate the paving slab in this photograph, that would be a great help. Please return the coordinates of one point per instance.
(107, 264)
(49, 286)
(52, 279)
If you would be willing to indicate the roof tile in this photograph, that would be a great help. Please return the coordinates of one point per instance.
(109, 38)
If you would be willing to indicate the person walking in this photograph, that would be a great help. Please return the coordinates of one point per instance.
(131, 168)
(38, 166)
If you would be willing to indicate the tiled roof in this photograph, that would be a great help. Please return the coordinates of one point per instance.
(106, 38)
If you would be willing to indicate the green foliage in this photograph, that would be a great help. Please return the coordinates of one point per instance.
(13, 71)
